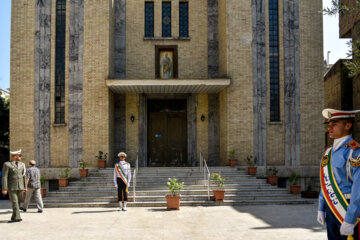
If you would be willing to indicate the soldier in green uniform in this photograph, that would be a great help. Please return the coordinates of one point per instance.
(13, 180)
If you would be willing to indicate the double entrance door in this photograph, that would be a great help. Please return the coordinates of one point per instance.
(167, 133)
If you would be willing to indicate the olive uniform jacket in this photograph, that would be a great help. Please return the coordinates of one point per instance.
(13, 176)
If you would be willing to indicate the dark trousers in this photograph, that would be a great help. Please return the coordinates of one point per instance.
(121, 190)
(333, 227)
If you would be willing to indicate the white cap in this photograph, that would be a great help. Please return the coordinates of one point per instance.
(333, 114)
(15, 152)
(122, 154)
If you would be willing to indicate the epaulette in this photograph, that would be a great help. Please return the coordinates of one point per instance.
(353, 144)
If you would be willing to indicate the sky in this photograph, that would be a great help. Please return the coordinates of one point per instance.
(332, 43)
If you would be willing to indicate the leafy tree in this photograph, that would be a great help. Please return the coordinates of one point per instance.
(4, 122)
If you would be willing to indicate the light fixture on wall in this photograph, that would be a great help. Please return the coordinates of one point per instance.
(132, 118)
(202, 117)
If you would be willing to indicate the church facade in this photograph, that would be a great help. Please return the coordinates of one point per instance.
(165, 80)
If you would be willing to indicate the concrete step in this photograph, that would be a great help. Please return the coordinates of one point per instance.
(112, 192)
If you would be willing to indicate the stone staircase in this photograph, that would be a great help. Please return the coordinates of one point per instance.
(98, 189)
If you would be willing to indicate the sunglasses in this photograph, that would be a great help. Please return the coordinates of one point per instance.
(20, 155)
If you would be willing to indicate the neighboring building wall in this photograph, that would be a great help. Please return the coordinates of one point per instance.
(349, 28)
(223, 112)
(22, 72)
(192, 54)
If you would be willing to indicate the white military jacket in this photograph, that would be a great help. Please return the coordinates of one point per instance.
(125, 166)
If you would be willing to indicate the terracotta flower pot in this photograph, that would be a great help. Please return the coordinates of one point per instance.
(63, 182)
(219, 195)
(252, 170)
(273, 180)
(43, 192)
(295, 189)
(232, 162)
(84, 172)
(173, 202)
(101, 163)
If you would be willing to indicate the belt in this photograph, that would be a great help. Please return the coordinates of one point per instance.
(347, 195)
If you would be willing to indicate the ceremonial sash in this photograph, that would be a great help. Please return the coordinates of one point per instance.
(121, 174)
(331, 191)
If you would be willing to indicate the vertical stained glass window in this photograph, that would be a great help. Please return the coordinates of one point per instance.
(184, 19)
(166, 19)
(274, 61)
(60, 61)
(149, 19)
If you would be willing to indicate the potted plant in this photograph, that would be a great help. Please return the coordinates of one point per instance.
(42, 189)
(219, 192)
(101, 159)
(294, 179)
(251, 165)
(271, 173)
(173, 199)
(63, 177)
(83, 171)
(309, 193)
(232, 159)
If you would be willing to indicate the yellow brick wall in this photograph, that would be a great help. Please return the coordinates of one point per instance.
(22, 77)
(192, 54)
(132, 128)
(239, 68)
(59, 135)
(202, 130)
(96, 109)
(312, 85)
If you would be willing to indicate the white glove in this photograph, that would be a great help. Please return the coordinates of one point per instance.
(347, 229)
(116, 186)
(321, 217)
(128, 185)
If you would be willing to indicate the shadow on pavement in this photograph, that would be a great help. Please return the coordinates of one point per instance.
(6, 212)
(285, 216)
(157, 210)
(95, 211)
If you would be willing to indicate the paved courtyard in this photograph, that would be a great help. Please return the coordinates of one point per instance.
(243, 222)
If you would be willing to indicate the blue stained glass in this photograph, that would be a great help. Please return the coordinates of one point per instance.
(184, 19)
(166, 19)
(149, 19)
(274, 60)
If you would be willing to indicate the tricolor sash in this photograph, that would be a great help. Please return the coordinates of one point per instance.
(331, 191)
(121, 173)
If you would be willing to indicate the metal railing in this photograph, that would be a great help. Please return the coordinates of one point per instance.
(206, 173)
(134, 177)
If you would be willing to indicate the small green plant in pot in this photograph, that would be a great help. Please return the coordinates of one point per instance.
(64, 177)
(219, 192)
(83, 171)
(251, 162)
(309, 192)
(294, 180)
(232, 157)
(173, 199)
(271, 172)
(101, 157)
(42, 189)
